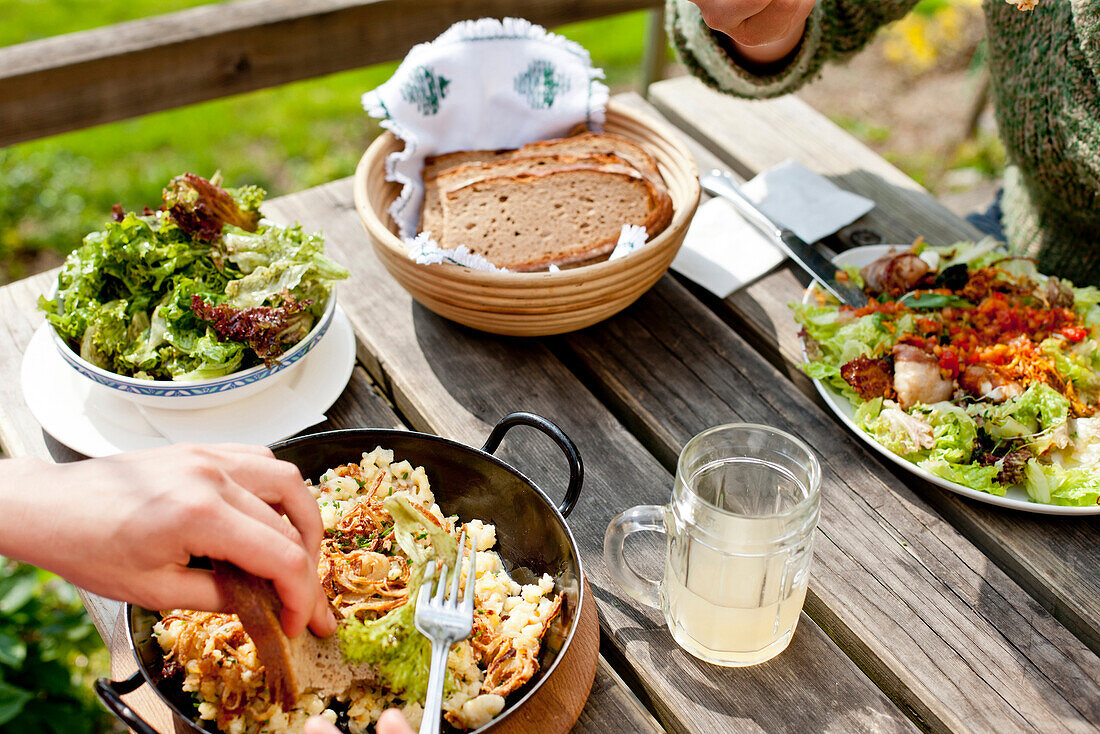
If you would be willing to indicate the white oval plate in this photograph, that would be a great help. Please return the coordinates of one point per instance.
(102, 425)
(1015, 497)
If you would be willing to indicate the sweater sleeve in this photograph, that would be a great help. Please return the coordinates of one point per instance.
(835, 30)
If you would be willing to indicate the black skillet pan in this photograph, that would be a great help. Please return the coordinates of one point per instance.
(532, 539)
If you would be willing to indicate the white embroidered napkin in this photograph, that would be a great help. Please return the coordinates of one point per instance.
(723, 251)
(482, 85)
(280, 413)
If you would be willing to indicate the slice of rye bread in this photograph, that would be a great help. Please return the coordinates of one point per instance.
(561, 217)
(590, 143)
(292, 665)
(437, 164)
(582, 144)
(431, 214)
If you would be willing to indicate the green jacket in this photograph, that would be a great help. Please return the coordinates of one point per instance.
(1045, 66)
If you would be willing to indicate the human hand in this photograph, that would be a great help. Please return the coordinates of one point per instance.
(763, 31)
(391, 722)
(126, 526)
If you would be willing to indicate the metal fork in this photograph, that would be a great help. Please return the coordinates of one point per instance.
(445, 621)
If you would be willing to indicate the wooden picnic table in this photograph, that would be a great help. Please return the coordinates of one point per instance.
(926, 611)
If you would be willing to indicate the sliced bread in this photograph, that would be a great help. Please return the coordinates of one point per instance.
(431, 216)
(437, 164)
(590, 143)
(562, 216)
(583, 144)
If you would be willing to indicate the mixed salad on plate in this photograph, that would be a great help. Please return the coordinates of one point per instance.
(198, 289)
(972, 365)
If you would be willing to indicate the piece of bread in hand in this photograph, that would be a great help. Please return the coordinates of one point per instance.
(559, 217)
(291, 665)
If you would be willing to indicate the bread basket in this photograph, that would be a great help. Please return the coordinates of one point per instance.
(535, 304)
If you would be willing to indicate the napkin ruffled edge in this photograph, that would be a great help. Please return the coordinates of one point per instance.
(472, 30)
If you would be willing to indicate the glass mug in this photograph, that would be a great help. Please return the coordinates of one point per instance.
(740, 528)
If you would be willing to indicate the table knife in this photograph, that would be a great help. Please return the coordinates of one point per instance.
(721, 183)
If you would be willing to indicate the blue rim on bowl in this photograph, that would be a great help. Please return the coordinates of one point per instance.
(171, 389)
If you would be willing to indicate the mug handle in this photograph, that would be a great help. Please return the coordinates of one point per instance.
(642, 517)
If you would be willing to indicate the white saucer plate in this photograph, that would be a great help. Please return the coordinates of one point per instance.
(1015, 497)
(96, 425)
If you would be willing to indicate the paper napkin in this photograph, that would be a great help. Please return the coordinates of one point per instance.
(723, 252)
(275, 414)
(807, 203)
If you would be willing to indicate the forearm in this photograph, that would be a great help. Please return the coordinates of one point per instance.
(22, 535)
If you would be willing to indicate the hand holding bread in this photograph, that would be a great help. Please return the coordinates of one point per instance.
(127, 526)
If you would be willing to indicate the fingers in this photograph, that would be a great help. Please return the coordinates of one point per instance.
(277, 483)
(756, 22)
(251, 505)
(774, 23)
(727, 15)
(393, 721)
(317, 725)
(262, 551)
(183, 588)
(323, 621)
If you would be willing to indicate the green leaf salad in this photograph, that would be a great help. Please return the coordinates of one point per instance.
(971, 365)
(199, 289)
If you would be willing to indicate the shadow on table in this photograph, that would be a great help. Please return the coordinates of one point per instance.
(765, 694)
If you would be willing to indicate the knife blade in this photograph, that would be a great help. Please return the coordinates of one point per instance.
(721, 183)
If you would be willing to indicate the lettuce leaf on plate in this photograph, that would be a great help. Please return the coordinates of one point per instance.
(833, 340)
(1038, 418)
(975, 476)
(1056, 485)
(940, 431)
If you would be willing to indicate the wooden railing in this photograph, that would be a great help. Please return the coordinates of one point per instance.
(116, 72)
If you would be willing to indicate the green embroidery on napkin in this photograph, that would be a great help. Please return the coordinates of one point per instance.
(540, 85)
(425, 89)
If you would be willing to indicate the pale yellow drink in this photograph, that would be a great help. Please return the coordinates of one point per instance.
(725, 625)
(740, 527)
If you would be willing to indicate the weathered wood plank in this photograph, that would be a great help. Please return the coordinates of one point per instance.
(1056, 559)
(456, 382)
(611, 703)
(88, 78)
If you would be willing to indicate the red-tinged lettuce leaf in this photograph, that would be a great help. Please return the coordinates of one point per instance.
(202, 209)
(266, 329)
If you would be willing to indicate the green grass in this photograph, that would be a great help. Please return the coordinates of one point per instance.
(284, 139)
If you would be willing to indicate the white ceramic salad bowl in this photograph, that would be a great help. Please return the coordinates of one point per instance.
(191, 395)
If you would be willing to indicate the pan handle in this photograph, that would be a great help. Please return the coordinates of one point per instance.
(111, 693)
(572, 455)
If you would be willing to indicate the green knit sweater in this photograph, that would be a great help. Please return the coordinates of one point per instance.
(1045, 66)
